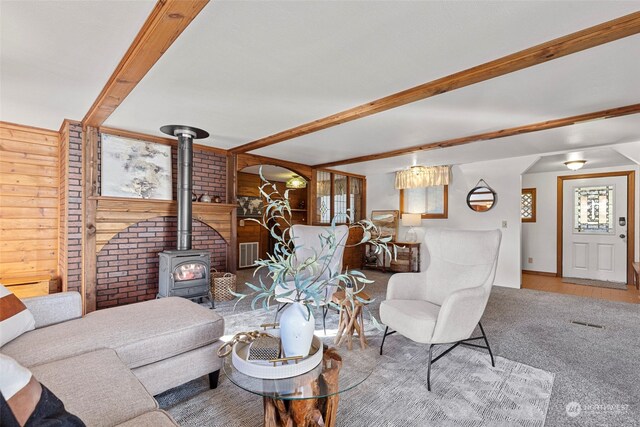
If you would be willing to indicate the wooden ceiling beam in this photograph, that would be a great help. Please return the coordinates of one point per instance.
(163, 26)
(585, 39)
(519, 130)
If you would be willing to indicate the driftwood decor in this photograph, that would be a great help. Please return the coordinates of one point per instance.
(309, 412)
(351, 319)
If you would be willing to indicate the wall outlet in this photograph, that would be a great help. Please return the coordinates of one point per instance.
(530, 260)
(242, 223)
(504, 223)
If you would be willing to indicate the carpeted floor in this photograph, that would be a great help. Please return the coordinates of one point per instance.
(597, 283)
(466, 389)
(596, 369)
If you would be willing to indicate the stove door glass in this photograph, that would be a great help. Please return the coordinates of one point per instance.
(190, 271)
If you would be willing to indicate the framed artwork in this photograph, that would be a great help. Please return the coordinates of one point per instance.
(387, 222)
(249, 206)
(134, 168)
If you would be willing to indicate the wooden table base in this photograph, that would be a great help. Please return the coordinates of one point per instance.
(309, 412)
(351, 319)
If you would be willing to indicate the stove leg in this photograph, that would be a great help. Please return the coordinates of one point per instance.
(213, 379)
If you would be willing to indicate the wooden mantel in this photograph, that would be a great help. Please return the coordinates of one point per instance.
(114, 214)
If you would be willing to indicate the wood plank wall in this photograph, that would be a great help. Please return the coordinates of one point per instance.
(29, 201)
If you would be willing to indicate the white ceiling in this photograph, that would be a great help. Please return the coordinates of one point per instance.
(56, 56)
(245, 70)
(596, 158)
(576, 137)
(604, 77)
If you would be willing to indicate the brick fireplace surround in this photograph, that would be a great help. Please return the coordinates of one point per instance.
(127, 266)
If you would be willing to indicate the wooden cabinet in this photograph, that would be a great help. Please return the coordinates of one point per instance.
(27, 287)
(353, 255)
(250, 231)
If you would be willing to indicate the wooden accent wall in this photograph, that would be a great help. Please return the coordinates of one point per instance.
(29, 201)
(114, 214)
(245, 160)
(252, 232)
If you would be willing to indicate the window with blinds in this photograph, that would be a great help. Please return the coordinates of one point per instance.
(430, 202)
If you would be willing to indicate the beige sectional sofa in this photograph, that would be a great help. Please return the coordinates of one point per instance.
(107, 366)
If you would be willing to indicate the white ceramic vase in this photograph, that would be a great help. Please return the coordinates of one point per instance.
(296, 330)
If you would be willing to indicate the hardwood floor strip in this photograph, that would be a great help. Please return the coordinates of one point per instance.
(555, 285)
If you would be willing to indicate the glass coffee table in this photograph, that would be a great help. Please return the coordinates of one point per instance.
(311, 397)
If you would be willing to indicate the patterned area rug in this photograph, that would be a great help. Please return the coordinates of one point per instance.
(598, 283)
(467, 391)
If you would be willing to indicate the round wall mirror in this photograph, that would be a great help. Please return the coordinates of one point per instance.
(481, 198)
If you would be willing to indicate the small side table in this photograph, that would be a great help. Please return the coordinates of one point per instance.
(413, 247)
(351, 318)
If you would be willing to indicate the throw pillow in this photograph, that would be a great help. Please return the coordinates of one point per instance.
(15, 318)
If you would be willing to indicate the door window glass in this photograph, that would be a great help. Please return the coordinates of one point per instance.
(593, 209)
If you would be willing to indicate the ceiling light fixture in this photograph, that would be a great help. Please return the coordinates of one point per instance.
(296, 182)
(574, 165)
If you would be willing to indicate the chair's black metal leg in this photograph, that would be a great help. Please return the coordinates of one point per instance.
(487, 343)
(384, 338)
(213, 379)
(445, 352)
(429, 368)
(325, 310)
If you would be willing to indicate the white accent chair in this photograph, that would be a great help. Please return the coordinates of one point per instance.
(306, 239)
(443, 304)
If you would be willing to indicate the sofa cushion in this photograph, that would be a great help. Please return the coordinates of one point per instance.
(157, 418)
(140, 333)
(161, 376)
(97, 387)
(414, 318)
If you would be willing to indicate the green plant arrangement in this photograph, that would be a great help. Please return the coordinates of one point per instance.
(306, 280)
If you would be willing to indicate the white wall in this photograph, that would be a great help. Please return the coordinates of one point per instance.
(539, 238)
(504, 176)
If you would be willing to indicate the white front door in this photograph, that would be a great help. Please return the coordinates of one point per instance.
(594, 241)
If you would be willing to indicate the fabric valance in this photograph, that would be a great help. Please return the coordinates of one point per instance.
(421, 176)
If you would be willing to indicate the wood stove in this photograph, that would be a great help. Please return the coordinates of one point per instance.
(184, 272)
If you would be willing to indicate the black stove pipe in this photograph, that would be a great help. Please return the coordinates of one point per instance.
(184, 187)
